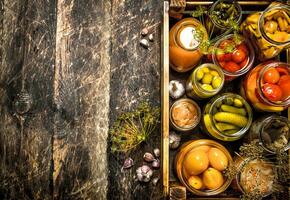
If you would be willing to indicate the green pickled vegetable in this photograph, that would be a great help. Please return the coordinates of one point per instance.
(231, 118)
(225, 126)
(232, 109)
(238, 103)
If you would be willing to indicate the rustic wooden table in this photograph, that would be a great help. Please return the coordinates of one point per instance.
(68, 68)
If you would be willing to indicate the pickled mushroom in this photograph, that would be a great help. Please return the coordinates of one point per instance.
(184, 114)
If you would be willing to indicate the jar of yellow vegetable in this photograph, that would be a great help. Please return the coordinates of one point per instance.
(227, 117)
(269, 31)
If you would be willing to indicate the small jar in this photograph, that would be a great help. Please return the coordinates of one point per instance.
(271, 132)
(269, 31)
(234, 54)
(205, 81)
(266, 92)
(227, 117)
(181, 166)
(184, 115)
(184, 40)
(222, 15)
(254, 176)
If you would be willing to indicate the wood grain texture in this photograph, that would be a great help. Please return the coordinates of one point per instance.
(135, 77)
(81, 96)
(27, 48)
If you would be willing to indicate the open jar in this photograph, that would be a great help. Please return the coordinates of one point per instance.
(184, 115)
(205, 81)
(184, 40)
(223, 16)
(271, 132)
(199, 166)
(267, 86)
(234, 54)
(227, 117)
(255, 176)
(269, 31)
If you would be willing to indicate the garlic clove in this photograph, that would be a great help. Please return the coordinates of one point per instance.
(128, 163)
(156, 164)
(144, 43)
(156, 152)
(151, 38)
(144, 32)
(176, 89)
(155, 180)
(174, 140)
(148, 157)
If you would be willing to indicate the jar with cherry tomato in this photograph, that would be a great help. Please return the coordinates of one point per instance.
(234, 54)
(267, 86)
(269, 31)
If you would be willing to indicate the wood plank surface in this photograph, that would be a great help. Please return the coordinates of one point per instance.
(135, 77)
(27, 48)
(81, 97)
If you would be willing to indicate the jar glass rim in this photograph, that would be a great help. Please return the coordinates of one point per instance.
(195, 23)
(261, 24)
(266, 121)
(212, 8)
(214, 67)
(197, 109)
(260, 79)
(246, 68)
(243, 130)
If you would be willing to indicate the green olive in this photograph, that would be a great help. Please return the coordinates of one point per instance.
(207, 78)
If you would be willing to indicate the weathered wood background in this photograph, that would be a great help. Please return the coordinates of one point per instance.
(68, 68)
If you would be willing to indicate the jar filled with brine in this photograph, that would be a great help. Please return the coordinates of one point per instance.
(255, 176)
(184, 40)
(205, 81)
(234, 54)
(222, 17)
(267, 86)
(271, 132)
(227, 117)
(269, 31)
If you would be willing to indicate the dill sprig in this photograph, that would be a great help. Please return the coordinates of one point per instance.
(132, 128)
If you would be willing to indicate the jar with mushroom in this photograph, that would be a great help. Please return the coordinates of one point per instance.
(269, 31)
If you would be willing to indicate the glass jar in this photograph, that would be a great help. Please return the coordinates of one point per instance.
(184, 40)
(271, 132)
(254, 176)
(223, 14)
(227, 117)
(181, 166)
(205, 81)
(265, 96)
(269, 31)
(234, 54)
(184, 115)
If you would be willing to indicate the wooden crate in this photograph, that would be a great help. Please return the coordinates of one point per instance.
(171, 187)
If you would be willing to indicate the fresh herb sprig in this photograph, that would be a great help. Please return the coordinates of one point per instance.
(132, 128)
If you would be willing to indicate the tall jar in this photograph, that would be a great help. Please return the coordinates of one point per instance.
(267, 86)
(227, 117)
(234, 54)
(222, 15)
(205, 81)
(184, 40)
(254, 176)
(269, 31)
(271, 132)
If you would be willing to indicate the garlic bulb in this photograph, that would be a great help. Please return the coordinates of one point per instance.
(174, 140)
(176, 89)
(144, 173)
(128, 163)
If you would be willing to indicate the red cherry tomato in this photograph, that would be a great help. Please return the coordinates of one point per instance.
(222, 64)
(272, 92)
(232, 66)
(244, 63)
(282, 71)
(243, 48)
(225, 43)
(238, 56)
(271, 76)
(284, 84)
